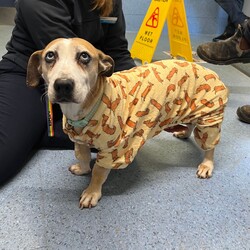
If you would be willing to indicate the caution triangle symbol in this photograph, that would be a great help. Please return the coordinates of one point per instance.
(176, 19)
(154, 19)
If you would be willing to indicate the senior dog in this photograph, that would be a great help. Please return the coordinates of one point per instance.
(116, 113)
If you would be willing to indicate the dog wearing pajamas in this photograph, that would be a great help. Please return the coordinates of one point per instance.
(116, 113)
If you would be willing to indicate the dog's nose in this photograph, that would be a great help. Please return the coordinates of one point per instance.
(64, 87)
(64, 90)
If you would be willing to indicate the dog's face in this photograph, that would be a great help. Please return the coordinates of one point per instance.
(70, 68)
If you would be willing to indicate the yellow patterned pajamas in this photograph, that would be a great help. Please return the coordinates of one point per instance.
(138, 104)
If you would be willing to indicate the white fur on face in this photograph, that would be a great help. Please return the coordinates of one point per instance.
(67, 66)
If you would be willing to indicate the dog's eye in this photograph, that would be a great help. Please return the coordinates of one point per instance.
(84, 57)
(50, 57)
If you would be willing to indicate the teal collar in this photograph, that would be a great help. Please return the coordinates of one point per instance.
(83, 122)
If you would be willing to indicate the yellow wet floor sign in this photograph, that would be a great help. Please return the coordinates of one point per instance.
(159, 12)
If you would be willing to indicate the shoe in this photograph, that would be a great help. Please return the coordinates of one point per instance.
(225, 52)
(223, 36)
(244, 113)
(228, 32)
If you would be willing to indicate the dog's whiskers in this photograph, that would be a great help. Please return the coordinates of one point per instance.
(44, 95)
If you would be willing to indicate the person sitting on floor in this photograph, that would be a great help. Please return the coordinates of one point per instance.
(23, 116)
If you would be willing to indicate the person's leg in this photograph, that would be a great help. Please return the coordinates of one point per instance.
(239, 8)
(233, 50)
(243, 112)
(246, 32)
(229, 6)
(228, 32)
(22, 119)
(234, 10)
(240, 4)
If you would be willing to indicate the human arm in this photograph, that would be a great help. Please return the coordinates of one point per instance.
(115, 43)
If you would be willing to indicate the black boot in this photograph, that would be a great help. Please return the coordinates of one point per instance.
(228, 32)
(225, 52)
(244, 113)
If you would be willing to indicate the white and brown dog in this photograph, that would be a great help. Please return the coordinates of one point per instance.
(116, 113)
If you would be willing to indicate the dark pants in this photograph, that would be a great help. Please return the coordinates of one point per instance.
(247, 31)
(23, 126)
(234, 10)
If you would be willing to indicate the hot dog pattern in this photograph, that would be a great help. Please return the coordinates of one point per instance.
(139, 103)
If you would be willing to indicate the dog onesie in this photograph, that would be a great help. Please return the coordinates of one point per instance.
(138, 104)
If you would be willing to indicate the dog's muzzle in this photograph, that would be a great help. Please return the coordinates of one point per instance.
(64, 90)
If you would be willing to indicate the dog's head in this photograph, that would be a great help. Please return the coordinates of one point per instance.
(70, 68)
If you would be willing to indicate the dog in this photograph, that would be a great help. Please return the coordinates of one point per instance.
(117, 112)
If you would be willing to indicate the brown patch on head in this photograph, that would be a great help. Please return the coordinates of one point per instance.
(33, 69)
(105, 62)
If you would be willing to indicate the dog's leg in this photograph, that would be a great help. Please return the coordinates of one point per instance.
(184, 132)
(93, 193)
(82, 153)
(205, 169)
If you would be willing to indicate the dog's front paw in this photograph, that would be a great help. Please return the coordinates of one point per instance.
(89, 198)
(77, 169)
(204, 171)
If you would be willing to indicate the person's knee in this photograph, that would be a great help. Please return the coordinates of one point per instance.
(10, 162)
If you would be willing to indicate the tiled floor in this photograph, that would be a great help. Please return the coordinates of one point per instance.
(156, 203)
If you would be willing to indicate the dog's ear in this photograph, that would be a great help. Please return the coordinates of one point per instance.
(106, 64)
(33, 72)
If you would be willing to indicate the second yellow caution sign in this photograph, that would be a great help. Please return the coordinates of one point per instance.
(160, 11)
